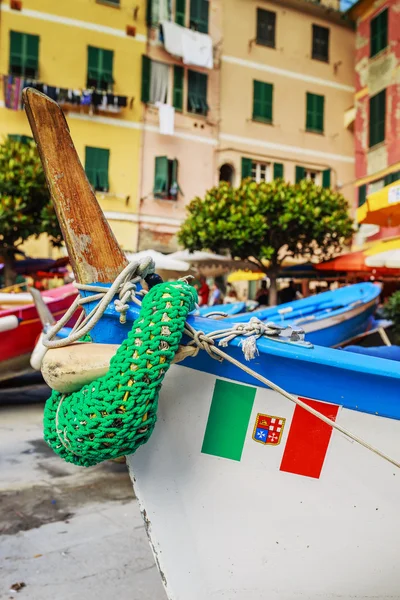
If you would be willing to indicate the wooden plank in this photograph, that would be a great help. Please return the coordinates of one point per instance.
(93, 250)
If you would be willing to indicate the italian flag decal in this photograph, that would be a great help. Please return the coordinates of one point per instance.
(232, 412)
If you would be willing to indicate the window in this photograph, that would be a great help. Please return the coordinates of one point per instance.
(197, 93)
(315, 113)
(392, 177)
(320, 43)
(262, 101)
(318, 177)
(226, 173)
(377, 118)
(112, 2)
(96, 167)
(379, 32)
(158, 11)
(100, 68)
(177, 92)
(260, 171)
(362, 195)
(24, 54)
(155, 79)
(24, 139)
(166, 178)
(266, 21)
(180, 10)
(199, 15)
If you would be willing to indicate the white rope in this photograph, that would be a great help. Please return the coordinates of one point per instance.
(207, 343)
(124, 285)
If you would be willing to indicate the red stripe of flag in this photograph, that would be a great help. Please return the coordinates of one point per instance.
(308, 440)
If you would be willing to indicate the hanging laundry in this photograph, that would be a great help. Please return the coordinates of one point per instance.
(173, 38)
(166, 115)
(197, 49)
(13, 87)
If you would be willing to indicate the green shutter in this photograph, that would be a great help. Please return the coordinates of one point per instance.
(300, 173)
(377, 118)
(177, 95)
(326, 178)
(379, 32)
(24, 139)
(146, 76)
(392, 177)
(246, 167)
(262, 101)
(362, 194)
(315, 113)
(180, 9)
(96, 167)
(24, 54)
(161, 176)
(228, 420)
(174, 180)
(278, 171)
(100, 68)
(199, 15)
(197, 92)
(149, 13)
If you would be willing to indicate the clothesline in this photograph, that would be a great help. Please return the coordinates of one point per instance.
(95, 99)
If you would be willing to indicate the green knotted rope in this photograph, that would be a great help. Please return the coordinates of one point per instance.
(116, 413)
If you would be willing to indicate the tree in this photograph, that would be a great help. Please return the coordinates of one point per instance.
(261, 222)
(25, 206)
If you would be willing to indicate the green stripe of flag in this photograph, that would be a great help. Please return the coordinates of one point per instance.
(228, 420)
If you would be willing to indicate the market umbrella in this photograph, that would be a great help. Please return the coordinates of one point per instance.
(162, 261)
(382, 207)
(352, 261)
(389, 259)
(245, 276)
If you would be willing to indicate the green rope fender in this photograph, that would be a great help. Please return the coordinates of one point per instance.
(116, 413)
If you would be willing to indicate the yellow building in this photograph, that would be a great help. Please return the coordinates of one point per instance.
(87, 55)
(287, 80)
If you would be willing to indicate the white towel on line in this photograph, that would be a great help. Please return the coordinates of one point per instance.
(197, 49)
(166, 115)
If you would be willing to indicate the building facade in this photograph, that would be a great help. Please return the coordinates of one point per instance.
(178, 164)
(86, 54)
(287, 80)
(377, 97)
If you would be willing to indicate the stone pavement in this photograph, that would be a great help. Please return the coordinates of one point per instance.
(66, 532)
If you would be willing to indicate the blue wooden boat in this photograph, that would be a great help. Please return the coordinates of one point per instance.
(248, 486)
(329, 319)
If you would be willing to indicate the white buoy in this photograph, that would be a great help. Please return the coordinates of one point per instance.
(8, 323)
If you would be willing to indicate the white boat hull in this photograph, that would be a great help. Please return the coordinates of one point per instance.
(245, 529)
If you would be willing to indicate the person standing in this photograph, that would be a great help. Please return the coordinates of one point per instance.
(203, 292)
(262, 295)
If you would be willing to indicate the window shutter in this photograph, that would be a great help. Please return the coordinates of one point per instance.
(149, 13)
(278, 171)
(315, 112)
(24, 139)
(300, 173)
(15, 51)
(377, 118)
(103, 158)
(107, 66)
(246, 167)
(161, 176)
(180, 9)
(174, 180)
(199, 15)
(257, 99)
(326, 178)
(32, 55)
(362, 194)
(197, 92)
(379, 32)
(262, 101)
(177, 96)
(266, 21)
(146, 76)
(90, 165)
(320, 43)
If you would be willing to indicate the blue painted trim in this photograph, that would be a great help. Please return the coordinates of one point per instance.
(357, 382)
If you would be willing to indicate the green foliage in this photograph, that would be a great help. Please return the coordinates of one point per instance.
(25, 207)
(269, 221)
(392, 312)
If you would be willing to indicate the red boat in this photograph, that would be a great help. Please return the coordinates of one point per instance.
(20, 326)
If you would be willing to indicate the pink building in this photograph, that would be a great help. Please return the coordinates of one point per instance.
(178, 155)
(377, 97)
